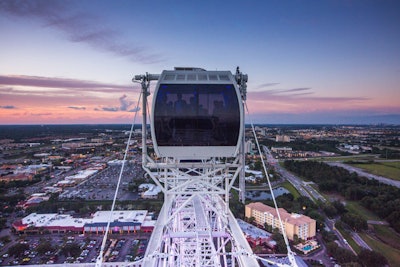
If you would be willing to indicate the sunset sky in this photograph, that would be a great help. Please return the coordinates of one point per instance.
(65, 62)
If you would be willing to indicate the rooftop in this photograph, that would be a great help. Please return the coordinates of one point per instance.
(292, 218)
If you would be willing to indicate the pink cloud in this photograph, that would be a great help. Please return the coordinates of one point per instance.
(62, 100)
(52, 82)
(50, 91)
(301, 99)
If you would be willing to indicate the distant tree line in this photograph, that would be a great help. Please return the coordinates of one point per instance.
(381, 199)
(20, 132)
(302, 145)
(386, 153)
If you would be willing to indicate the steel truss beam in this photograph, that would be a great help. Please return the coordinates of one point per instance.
(195, 226)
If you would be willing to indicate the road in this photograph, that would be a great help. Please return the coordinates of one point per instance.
(304, 188)
(377, 222)
(366, 174)
(356, 237)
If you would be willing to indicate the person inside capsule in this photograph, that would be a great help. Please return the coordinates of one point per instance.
(196, 115)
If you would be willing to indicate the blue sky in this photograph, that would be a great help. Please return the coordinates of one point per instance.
(307, 61)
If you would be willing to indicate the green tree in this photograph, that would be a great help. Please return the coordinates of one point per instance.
(328, 236)
(340, 208)
(18, 249)
(318, 217)
(236, 206)
(5, 239)
(3, 222)
(340, 254)
(296, 239)
(280, 243)
(44, 246)
(268, 227)
(370, 258)
(252, 220)
(71, 250)
(258, 165)
(355, 221)
(330, 210)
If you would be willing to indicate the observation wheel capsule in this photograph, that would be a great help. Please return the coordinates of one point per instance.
(196, 114)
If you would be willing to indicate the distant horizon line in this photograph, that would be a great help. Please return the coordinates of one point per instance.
(247, 124)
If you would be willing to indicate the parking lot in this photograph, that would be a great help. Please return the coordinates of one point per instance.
(102, 185)
(119, 248)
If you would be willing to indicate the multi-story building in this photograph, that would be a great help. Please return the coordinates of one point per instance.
(294, 224)
(282, 138)
(249, 147)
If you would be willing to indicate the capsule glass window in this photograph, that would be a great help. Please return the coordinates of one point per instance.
(196, 115)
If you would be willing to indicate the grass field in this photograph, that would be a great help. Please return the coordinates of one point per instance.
(362, 157)
(356, 208)
(387, 235)
(390, 253)
(382, 239)
(291, 189)
(386, 169)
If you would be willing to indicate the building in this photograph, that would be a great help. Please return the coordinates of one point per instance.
(282, 138)
(34, 200)
(256, 236)
(255, 175)
(149, 191)
(16, 177)
(77, 178)
(294, 224)
(281, 149)
(82, 175)
(122, 221)
(249, 147)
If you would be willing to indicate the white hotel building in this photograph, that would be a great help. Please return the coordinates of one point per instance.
(294, 224)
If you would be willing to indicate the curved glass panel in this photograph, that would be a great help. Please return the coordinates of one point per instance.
(196, 115)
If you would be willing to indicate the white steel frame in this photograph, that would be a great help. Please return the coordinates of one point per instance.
(195, 226)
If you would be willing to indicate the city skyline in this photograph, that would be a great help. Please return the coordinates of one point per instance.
(328, 62)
